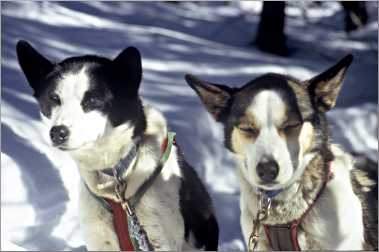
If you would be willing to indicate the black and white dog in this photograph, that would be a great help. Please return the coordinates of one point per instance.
(96, 115)
(277, 128)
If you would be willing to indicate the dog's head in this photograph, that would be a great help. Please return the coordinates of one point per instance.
(274, 122)
(83, 98)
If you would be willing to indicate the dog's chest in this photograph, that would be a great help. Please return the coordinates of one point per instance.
(335, 221)
(159, 213)
(158, 210)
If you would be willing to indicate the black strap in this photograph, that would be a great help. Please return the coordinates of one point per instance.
(124, 165)
(134, 200)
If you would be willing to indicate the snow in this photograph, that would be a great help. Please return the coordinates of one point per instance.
(39, 184)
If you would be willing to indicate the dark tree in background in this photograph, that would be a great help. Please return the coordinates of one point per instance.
(355, 14)
(270, 37)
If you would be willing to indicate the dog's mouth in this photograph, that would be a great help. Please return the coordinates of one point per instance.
(65, 148)
(279, 191)
(272, 186)
(68, 147)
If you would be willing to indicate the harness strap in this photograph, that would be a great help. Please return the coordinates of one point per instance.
(166, 146)
(283, 237)
(120, 218)
(120, 222)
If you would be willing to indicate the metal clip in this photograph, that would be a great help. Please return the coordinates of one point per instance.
(262, 213)
(117, 176)
(120, 188)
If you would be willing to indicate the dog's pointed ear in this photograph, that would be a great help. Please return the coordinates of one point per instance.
(215, 97)
(325, 87)
(34, 65)
(128, 66)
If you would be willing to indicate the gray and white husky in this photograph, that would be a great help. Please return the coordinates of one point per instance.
(96, 115)
(277, 129)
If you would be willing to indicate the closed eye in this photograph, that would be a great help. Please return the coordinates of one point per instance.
(290, 126)
(248, 129)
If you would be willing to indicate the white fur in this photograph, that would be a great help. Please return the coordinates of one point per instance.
(335, 221)
(84, 127)
(158, 211)
(268, 110)
(95, 145)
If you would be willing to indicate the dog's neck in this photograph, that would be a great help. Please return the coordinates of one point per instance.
(109, 150)
(106, 151)
(292, 202)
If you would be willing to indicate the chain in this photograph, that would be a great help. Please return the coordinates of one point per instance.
(262, 213)
(120, 189)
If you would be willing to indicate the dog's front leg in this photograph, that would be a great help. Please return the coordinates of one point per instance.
(165, 232)
(96, 223)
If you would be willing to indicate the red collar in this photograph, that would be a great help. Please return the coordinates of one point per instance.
(284, 236)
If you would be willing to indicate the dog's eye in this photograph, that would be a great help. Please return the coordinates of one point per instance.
(55, 99)
(91, 103)
(248, 130)
(289, 127)
(93, 100)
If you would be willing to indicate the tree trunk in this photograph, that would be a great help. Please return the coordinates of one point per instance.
(270, 37)
(355, 14)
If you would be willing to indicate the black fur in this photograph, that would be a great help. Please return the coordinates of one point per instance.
(34, 65)
(242, 99)
(113, 89)
(365, 175)
(235, 101)
(309, 101)
(196, 208)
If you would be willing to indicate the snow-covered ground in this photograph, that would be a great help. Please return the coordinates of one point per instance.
(39, 184)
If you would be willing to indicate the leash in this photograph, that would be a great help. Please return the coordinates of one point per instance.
(130, 232)
(281, 237)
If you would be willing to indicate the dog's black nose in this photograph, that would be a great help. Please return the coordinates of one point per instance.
(59, 134)
(268, 171)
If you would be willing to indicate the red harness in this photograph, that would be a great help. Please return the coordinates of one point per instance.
(120, 218)
(120, 222)
(284, 236)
